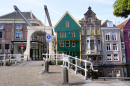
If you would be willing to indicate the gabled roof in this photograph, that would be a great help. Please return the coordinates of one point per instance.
(105, 24)
(15, 15)
(63, 17)
(122, 24)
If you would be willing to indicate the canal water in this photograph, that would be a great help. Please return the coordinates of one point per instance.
(108, 71)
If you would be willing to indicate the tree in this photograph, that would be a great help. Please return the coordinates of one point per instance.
(121, 8)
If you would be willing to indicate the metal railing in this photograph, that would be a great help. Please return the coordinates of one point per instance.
(66, 59)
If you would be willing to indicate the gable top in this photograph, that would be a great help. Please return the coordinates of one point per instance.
(15, 15)
(122, 24)
(63, 17)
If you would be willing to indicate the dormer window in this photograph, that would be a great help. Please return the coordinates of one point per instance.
(67, 23)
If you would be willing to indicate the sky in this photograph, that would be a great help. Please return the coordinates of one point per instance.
(77, 8)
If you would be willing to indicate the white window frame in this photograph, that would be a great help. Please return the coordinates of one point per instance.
(110, 72)
(115, 34)
(1, 26)
(109, 58)
(109, 47)
(122, 43)
(117, 58)
(16, 35)
(18, 27)
(116, 49)
(108, 35)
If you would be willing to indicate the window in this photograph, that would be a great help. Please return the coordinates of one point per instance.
(67, 24)
(73, 34)
(114, 47)
(110, 73)
(18, 27)
(108, 47)
(92, 31)
(123, 56)
(109, 58)
(88, 45)
(6, 47)
(62, 34)
(116, 57)
(34, 36)
(67, 43)
(122, 45)
(1, 26)
(0, 34)
(61, 43)
(0, 48)
(98, 31)
(100, 58)
(94, 58)
(129, 35)
(18, 34)
(88, 31)
(73, 43)
(99, 45)
(107, 35)
(114, 36)
(83, 31)
(90, 20)
(117, 73)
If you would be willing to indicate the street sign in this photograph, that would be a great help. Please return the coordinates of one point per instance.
(22, 45)
(48, 37)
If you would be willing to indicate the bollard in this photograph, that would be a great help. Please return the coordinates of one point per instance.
(65, 80)
(46, 67)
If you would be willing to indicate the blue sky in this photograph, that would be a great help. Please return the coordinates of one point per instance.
(56, 8)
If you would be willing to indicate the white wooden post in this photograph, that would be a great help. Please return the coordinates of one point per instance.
(68, 63)
(46, 56)
(85, 70)
(56, 59)
(4, 60)
(75, 64)
(63, 59)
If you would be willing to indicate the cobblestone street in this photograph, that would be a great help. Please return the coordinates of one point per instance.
(28, 74)
(24, 74)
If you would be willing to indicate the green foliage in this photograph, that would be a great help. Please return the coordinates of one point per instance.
(121, 8)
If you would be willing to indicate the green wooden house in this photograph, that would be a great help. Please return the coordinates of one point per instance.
(68, 36)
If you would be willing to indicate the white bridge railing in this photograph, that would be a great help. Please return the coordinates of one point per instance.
(12, 58)
(66, 59)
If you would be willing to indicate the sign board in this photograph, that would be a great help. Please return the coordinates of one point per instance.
(48, 37)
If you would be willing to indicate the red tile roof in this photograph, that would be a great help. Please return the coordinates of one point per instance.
(122, 24)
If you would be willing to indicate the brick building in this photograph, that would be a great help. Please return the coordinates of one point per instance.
(13, 34)
(91, 38)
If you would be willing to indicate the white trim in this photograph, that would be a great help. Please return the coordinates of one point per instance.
(117, 57)
(108, 28)
(17, 27)
(110, 57)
